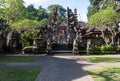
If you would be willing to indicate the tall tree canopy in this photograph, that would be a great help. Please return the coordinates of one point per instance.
(32, 12)
(28, 29)
(36, 14)
(42, 13)
(25, 25)
(98, 5)
(61, 11)
(13, 10)
(107, 16)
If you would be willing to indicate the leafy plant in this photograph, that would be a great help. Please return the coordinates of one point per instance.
(26, 38)
(107, 48)
(107, 16)
(103, 49)
(96, 48)
(41, 46)
(27, 27)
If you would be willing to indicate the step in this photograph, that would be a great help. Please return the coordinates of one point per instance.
(62, 51)
(61, 47)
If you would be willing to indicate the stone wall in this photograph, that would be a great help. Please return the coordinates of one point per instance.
(94, 41)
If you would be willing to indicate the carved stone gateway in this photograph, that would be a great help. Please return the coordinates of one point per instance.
(62, 33)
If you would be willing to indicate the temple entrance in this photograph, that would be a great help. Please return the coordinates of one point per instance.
(62, 33)
(62, 44)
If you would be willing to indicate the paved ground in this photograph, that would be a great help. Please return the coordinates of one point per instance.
(56, 68)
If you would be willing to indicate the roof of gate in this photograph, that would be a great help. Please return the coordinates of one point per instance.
(93, 29)
(62, 24)
(117, 8)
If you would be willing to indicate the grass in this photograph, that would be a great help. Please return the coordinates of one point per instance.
(16, 59)
(18, 74)
(106, 74)
(102, 58)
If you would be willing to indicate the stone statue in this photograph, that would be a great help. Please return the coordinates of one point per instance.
(49, 46)
(88, 46)
(75, 46)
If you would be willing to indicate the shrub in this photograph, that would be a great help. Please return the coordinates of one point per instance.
(42, 46)
(26, 38)
(104, 49)
(118, 49)
(96, 49)
(108, 48)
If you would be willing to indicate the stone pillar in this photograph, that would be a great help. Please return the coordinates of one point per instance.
(75, 46)
(49, 46)
(88, 46)
(55, 33)
(35, 46)
(1, 45)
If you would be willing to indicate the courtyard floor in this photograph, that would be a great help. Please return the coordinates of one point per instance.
(61, 68)
(55, 68)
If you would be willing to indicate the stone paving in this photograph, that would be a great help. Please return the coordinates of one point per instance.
(56, 68)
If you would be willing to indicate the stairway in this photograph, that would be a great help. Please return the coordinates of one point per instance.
(62, 48)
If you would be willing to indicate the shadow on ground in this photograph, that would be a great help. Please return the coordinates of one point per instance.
(63, 69)
(55, 68)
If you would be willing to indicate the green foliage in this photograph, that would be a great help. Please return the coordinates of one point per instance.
(36, 14)
(108, 48)
(25, 25)
(95, 2)
(42, 14)
(26, 20)
(3, 23)
(107, 16)
(32, 12)
(27, 38)
(98, 5)
(96, 48)
(103, 49)
(14, 10)
(42, 46)
(91, 11)
(93, 8)
(43, 22)
(61, 11)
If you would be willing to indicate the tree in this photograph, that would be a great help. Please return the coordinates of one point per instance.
(41, 13)
(25, 25)
(61, 11)
(98, 5)
(28, 29)
(32, 12)
(93, 8)
(3, 24)
(13, 10)
(107, 17)
(43, 22)
(36, 14)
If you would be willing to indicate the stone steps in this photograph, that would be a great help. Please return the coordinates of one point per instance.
(62, 51)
